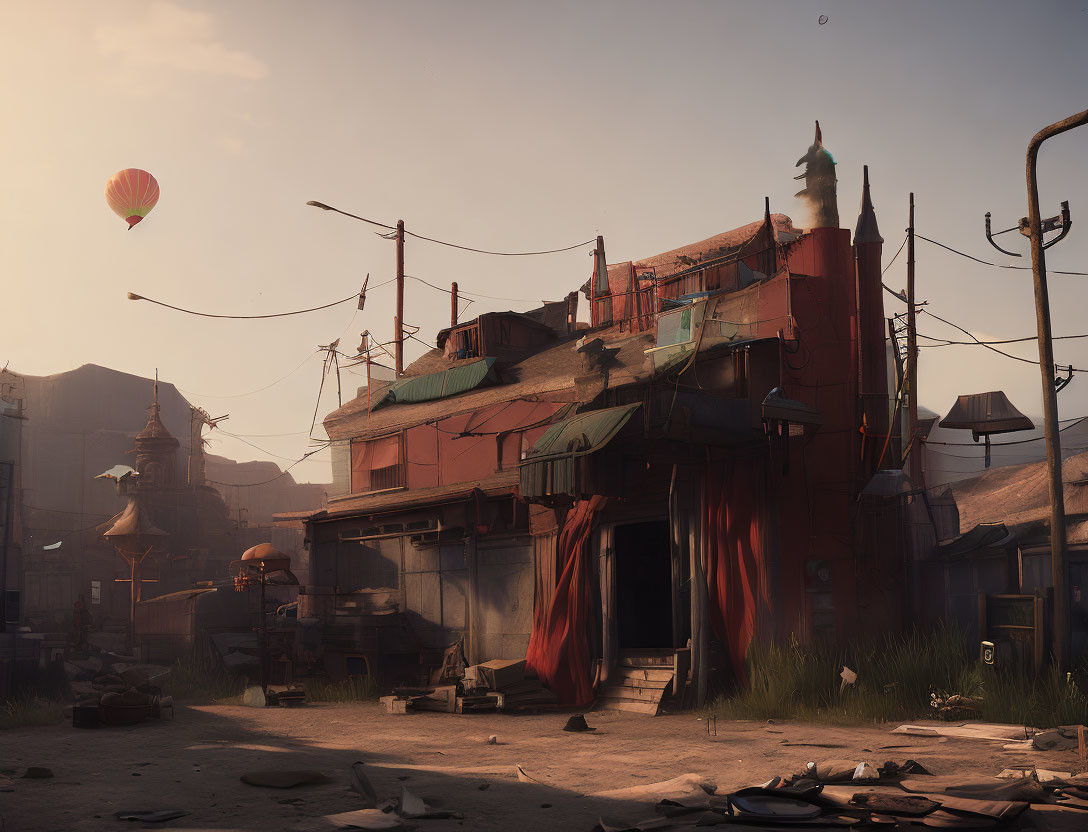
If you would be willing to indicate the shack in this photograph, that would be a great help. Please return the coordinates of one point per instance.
(641, 496)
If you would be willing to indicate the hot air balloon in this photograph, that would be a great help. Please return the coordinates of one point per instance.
(131, 194)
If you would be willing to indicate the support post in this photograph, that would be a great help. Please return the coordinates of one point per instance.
(453, 304)
(398, 321)
(1062, 634)
(262, 633)
(914, 454)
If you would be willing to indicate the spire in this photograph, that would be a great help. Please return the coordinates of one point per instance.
(866, 230)
(819, 140)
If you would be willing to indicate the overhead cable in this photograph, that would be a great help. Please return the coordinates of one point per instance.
(996, 265)
(134, 296)
(252, 392)
(273, 479)
(325, 207)
(992, 348)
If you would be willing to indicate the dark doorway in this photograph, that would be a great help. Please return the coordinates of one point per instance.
(643, 585)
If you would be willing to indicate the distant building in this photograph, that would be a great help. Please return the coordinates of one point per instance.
(81, 423)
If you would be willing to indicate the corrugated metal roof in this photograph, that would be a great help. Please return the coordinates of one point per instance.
(580, 435)
(986, 413)
(438, 385)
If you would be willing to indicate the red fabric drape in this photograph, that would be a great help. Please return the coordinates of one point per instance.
(559, 645)
(734, 553)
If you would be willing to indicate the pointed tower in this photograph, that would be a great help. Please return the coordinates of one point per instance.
(821, 189)
(872, 357)
(156, 450)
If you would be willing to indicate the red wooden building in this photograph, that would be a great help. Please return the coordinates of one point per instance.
(658, 488)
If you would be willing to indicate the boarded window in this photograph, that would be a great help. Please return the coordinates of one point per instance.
(377, 464)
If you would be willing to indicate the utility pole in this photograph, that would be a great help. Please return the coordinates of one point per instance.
(398, 321)
(914, 455)
(1033, 226)
(453, 304)
(1062, 635)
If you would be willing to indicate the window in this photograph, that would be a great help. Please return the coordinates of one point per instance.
(377, 464)
(96, 592)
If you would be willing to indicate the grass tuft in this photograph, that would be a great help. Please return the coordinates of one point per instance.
(196, 679)
(896, 675)
(27, 713)
(354, 689)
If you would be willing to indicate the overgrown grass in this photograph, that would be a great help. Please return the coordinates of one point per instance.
(354, 689)
(27, 713)
(896, 675)
(196, 679)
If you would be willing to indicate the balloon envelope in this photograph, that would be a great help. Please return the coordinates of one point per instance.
(131, 194)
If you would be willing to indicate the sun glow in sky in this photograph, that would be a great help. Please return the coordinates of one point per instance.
(502, 125)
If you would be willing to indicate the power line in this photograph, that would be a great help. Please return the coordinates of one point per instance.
(995, 265)
(988, 346)
(255, 446)
(1073, 424)
(500, 253)
(325, 207)
(134, 296)
(252, 392)
(882, 273)
(273, 479)
(469, 294)
(947, 343)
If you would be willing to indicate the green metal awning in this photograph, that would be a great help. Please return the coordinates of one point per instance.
(438, 385)
(582, 434)
(554, 464)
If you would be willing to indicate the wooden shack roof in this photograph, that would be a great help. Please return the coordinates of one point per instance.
(1019, 496)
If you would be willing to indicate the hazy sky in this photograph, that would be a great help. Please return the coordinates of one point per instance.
(508, 125)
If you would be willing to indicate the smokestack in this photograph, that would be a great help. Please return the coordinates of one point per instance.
(820, 191)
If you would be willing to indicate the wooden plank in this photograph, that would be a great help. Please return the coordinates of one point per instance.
(647, 674)
(648, 684)
(607, 702)
(633, 694)
(646, 661)
(1082, 743)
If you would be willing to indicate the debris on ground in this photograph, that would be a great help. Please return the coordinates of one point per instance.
(37, 773)
(968, 731)
(849, 677)
(807, 799)
(284, 779)
(577, 724)
(151, 816)
(499, 685)
(955, 706)
(361, 783)
(492, 740)
(686, 786)
(525, 778)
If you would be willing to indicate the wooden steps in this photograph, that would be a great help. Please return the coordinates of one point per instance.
(642, 679)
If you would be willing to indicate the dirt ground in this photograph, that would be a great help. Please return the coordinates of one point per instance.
(194, 763)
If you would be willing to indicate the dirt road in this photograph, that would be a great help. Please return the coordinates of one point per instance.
(194, 763)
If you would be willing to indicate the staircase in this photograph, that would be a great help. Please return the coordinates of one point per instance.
(642, 679)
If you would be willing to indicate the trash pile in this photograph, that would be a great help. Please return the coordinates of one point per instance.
(499, 685)
(850, 793)
(956, 706)
(113, 690)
